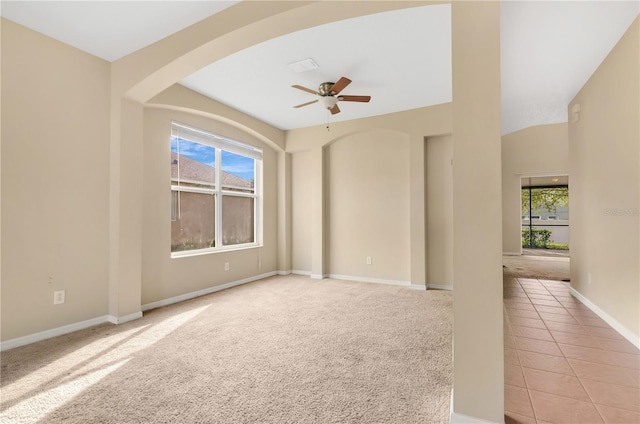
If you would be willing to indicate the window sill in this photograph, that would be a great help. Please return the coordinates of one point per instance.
(201, 252)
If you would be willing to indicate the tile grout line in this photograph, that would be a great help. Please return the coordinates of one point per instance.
(572, 369)
(596, 405)
(547, 328)
(599, 345)
(563, 356)
(518, 356)
(533, 409)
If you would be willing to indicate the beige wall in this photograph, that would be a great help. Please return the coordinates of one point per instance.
(313, 174)
(604, 200)
(55, 182)
(301, 178)
(439, 210)
(539, 150)
(164, 277)
(478, 374)
(368, 206)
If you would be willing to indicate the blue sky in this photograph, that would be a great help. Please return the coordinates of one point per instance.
(234, 164)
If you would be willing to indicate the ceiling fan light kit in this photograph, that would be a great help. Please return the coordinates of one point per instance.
(328, 101)
(328, 93)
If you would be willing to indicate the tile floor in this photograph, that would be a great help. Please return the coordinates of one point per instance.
(563, 364)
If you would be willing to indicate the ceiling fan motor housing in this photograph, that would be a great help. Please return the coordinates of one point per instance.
(325, 88)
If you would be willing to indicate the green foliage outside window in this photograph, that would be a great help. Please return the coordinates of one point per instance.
(535, 237)
(544, 199)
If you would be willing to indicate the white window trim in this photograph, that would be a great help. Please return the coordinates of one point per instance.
(213, 140)
(220, 143)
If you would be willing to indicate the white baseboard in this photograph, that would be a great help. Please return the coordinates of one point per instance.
(360, 279)
(456, 418)
(369, 280)
(285, 272)
(511, 253)
(615, 324)
(121, 320)
(198, 293)
(440, 287)
(54, 332)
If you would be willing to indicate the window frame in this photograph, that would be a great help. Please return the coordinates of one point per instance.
(219, 143)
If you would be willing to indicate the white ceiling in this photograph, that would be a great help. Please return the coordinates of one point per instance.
(549, 50)
(109, 29)
(401, 58)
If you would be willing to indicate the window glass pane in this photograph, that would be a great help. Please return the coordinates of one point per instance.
(194, 225)
(550, 201)
(525, 203)
(237, 220)
(174, 205)
(547, 224)
(203, 167)
(238, 172)
(193, 164)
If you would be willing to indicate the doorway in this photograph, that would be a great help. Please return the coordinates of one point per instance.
(545, 216)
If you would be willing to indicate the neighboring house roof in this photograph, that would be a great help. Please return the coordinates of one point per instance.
(193, 170)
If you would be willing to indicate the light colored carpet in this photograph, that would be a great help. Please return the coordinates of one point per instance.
(281, 350)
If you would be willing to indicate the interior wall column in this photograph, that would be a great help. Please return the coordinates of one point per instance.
(478, 383)
(284, 212)
(125, 211)
(318, 230)
(417, 223)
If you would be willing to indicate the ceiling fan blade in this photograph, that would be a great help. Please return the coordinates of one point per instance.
(306, 104)
(340, 85)
(308, 90)
(334, 109)
(364, 99)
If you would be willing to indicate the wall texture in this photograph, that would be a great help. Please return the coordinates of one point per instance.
(368, 206)
(301, 212)
(605, 184)
(539, 150)
(55, 182)
(439, 210)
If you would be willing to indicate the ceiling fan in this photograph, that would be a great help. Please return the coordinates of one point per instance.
(329, 98)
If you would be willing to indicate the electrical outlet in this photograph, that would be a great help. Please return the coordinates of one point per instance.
(58, 297)
(368, 260)
(226, 266)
